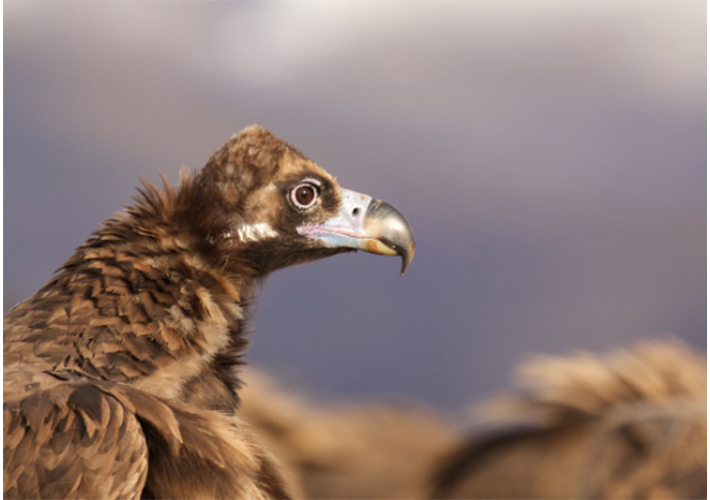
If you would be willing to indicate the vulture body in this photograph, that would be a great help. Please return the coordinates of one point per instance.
(631, 424)
(120, 374)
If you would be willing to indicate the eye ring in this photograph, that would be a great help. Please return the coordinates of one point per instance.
(304, 195)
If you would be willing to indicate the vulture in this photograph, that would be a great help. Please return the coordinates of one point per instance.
(346, 449)
(121, 373)
(628, 424)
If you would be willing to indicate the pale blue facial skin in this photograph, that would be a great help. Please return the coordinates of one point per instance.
(345, 229)
(365, 224)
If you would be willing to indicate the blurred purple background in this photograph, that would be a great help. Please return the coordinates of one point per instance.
(550, 156)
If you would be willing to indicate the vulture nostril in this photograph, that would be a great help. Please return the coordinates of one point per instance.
(356, 211)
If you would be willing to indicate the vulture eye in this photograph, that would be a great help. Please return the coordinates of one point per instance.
(304, 195)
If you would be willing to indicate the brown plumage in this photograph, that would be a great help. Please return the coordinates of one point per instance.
(631, 424)
(346, 449)
(120, 373)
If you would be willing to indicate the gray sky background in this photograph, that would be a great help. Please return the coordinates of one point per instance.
(550, 156)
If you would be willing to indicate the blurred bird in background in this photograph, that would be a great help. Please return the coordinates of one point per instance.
(628, 424)
(347, 449)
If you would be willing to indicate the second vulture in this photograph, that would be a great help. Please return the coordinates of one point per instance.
(119, 373)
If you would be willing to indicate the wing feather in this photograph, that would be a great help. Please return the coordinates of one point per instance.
(72, 439)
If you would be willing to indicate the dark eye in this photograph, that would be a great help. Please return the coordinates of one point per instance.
(304, 195)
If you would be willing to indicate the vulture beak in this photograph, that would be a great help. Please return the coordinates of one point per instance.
(364, 223)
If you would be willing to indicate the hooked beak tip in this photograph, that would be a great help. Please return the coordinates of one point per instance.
(407, 257)
(392, 230)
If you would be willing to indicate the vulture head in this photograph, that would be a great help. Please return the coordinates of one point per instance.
(261, 204)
